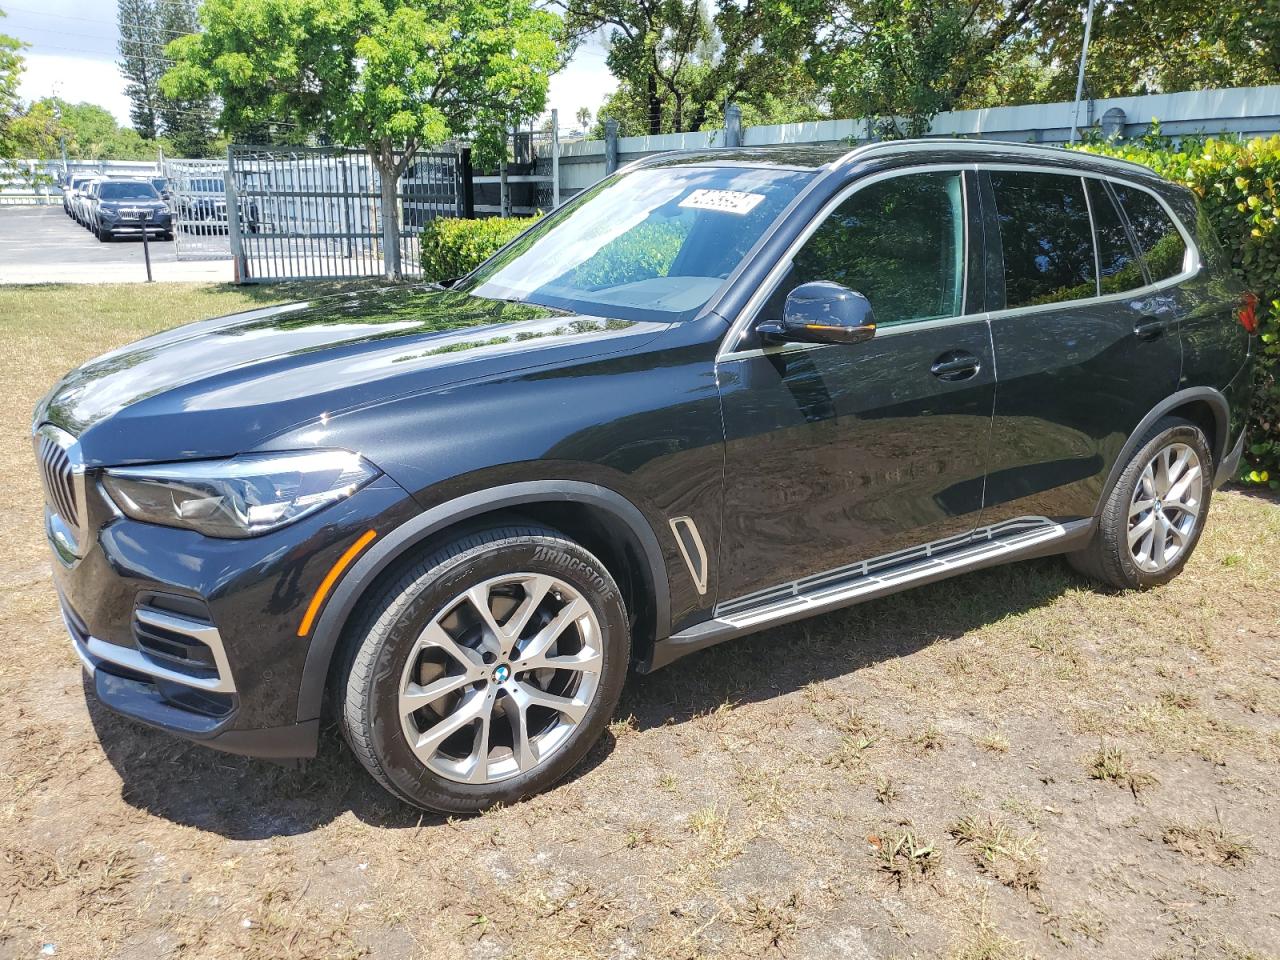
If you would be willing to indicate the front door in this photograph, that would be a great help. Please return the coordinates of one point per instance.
(841, 453)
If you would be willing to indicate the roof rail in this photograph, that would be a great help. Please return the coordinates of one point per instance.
(953, 143)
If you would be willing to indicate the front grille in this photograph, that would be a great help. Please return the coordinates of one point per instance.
(59, 479)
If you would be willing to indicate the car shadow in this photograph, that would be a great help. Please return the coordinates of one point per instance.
(244, 798)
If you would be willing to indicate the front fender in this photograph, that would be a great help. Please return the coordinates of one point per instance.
(385, 551)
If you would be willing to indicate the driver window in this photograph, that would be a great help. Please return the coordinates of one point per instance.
(899, 242)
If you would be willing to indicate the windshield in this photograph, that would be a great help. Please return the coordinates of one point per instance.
(658, 240)
(127, 191)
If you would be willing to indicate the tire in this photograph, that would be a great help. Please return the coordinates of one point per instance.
(167, 235)
(1166, 532)
(424, 631)
(104, 235)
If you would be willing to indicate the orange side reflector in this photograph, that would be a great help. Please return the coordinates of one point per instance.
(331, 578)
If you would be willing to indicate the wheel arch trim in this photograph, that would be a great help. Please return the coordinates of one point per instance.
(1222, 419)
(395, 543)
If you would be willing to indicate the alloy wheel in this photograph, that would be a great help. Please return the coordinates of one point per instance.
(1164, 507)
(499, 679)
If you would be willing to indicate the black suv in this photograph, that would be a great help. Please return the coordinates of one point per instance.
(716, 392)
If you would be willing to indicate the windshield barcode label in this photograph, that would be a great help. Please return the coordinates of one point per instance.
(726, 201)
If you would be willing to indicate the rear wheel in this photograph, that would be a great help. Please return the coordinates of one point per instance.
(1153, 517)
(486, 672)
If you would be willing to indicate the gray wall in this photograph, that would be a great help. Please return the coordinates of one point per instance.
(16, 185)
(1251, 111)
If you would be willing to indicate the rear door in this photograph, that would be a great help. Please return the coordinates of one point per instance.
(840, 453)
(1085, 344)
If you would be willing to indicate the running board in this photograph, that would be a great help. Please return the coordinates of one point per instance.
(1020, 539)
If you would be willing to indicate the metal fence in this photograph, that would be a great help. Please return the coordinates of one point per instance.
(315, 212)
(197, 200)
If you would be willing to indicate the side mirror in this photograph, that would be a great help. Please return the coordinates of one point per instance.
(822, 312)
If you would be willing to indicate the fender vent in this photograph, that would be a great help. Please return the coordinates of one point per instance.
(695, 554)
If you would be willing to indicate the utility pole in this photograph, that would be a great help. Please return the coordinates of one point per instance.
(555, 158)
(1084, 55)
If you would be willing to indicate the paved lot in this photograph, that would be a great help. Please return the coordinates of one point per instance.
(44, 245)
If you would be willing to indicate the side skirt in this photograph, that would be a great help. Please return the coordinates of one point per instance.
(1021, 539)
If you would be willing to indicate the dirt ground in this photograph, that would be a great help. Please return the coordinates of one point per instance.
(1008, 764)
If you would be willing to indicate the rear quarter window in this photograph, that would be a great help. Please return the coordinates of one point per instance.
(1163, 249)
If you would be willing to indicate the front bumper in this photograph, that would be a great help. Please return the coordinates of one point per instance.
(135, 228)
(199, 637)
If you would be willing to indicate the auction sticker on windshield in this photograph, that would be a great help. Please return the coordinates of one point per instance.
(726, 201)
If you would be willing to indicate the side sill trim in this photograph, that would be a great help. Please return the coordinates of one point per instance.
(1042, 540)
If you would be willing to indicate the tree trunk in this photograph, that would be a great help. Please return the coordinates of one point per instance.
(390, 180)
(654, 103)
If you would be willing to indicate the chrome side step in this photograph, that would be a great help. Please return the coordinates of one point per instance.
(1022, 538)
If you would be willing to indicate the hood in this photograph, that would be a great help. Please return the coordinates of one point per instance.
(224, 386)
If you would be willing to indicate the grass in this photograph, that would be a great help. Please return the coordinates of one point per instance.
(1012, 858)
(1112, 765)
(1209, 841)
(810, 791)
(904, 856)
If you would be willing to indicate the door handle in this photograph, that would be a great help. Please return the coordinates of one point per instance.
(956, 365)
(1150, 328)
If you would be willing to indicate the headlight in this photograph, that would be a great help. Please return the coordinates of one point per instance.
(240, 497)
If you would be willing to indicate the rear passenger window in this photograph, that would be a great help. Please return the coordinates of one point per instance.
(1162, 246)
(1120, 268)
(1046, 236)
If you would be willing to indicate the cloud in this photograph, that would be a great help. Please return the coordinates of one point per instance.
(75, 79)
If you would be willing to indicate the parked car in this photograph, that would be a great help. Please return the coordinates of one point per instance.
(69, 190)
(202, 207)
(713, 394)
(82, 199)
(123, 208)
(162, 187)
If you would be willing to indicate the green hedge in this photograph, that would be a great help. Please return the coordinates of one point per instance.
(1238, 183)
(453, 247)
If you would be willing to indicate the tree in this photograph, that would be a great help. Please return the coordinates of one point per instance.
(89, 131)
(584, 117)
(682, 60)
(11, 65)
(141, 62)
(796, 99)
(392, 76)
(187, 123)
(902, 63)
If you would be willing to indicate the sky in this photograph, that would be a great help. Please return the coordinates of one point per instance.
(73, 54)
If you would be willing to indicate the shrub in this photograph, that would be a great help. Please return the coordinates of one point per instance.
(1238, 183)
(453, 247)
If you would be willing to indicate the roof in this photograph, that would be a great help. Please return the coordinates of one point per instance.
(817, 157)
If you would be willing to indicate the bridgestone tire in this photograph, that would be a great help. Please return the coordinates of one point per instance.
(367, 687)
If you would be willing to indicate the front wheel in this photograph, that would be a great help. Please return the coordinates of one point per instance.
(1153, 517)
(486, 672)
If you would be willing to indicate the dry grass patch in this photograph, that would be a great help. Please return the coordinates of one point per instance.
(988, 944)
(994, 742)
(930, 738)
(1210, 842)
(1112, 765)
(904, 856)
(1012, 858)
